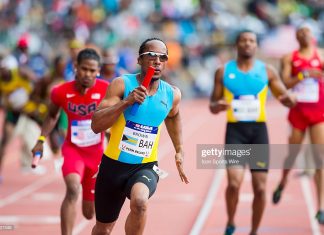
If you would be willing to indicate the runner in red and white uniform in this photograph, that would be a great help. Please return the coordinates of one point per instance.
(302, 70)
(82, 148)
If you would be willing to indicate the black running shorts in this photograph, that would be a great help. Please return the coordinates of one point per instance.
(114, 183)
(251, 135)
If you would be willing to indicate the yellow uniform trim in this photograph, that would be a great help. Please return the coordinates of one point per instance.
(262, 96)
(112, 149)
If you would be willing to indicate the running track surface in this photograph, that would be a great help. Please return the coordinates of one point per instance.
(31, 203)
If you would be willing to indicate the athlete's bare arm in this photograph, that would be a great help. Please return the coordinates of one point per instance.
(278, 89)
(285, 72)
(114, 104)
(173, 125)
(217, 101)
(48, 125)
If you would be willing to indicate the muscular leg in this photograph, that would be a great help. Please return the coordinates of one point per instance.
(6, 135)
(4, 140)
(259, 186)
(317, 138)
(136, 219)
(296, 138)
(68, 207)
(235, 178)
(102, 228)
(319, 182)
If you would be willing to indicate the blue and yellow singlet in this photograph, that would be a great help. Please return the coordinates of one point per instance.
(16, 91)
(246, 92)
(134, 139)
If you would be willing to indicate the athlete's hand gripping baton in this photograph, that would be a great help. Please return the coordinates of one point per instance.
(36, 158)
(147, 79)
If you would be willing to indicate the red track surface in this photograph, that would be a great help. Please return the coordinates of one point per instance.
(31, 203)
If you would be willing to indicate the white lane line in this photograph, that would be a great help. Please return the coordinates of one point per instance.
(208, 202)
(306, 188)
(29, 219)
(81, 226)
(27, 190)
(171, 198)
(46, 196)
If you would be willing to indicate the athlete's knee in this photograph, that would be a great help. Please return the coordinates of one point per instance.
(259, 191)
(290, 160)
(101, 229)
(73, 191)
(139, 205)
(233, 187)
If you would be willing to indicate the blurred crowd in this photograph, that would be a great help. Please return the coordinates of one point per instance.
(199, 33)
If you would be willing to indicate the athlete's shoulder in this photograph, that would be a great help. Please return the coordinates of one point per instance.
(119, 81)
(229, 66)
(292, 55)
(128, 77)
(230, 63)
(175, 90)
(221, 68)
(63, 87)
(259, 62)
(288, 57)
(61, 91)
(102, 83)
(164, 83)
(176, 94)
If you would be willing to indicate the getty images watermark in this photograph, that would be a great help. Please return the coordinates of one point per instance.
(260, 156)
(6, 227)
(219, 156)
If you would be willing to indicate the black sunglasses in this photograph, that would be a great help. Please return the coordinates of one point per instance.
(153, 55)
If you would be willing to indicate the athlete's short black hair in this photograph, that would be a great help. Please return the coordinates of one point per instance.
(143, 45)
(238, 36)
(88, 54)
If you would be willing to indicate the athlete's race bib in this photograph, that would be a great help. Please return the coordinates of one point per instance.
(18, 98)
(246, 108)
(138, 139)
(307, 91)
(82, 134)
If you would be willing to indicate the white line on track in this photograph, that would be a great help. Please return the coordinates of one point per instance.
(306, 188)
(208, 202)
(81, 226)
(27, 190)
(29, 219)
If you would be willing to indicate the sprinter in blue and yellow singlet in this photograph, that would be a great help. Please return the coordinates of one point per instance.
(241, 89)
(129, 165)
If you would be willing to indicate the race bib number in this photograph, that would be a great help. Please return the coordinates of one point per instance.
(82, 134)
(138, 139)
(246, 108)
(307, 91)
